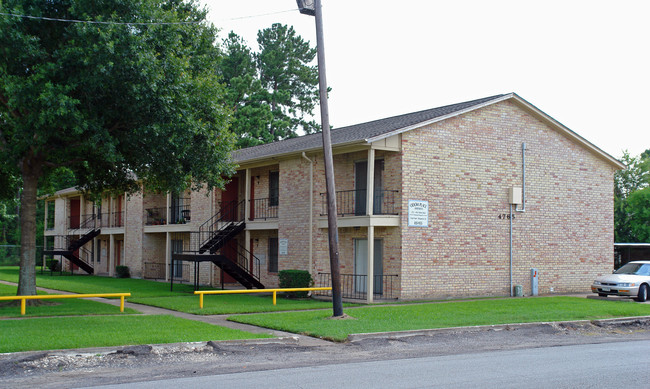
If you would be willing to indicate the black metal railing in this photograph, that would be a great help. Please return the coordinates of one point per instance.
(154, 270)
(355, 286)
(229, 212)
(251, 266)
(81, 221)
(117, 219)
(353, 202)
(262, 209)
(179, 271)
(155, 216)
(180, 214)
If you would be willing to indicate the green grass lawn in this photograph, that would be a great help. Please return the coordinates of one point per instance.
(441, 315)
(62, 307)
(95, 284)
(102, 331)
(157, 294)
(232, 303)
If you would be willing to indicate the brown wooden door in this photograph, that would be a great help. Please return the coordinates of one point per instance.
(229, 200)
(75, 213)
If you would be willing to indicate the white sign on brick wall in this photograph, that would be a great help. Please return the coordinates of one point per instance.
(418, 213)
(283, 246)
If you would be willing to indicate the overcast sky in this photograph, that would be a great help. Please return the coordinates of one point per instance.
(585, 63)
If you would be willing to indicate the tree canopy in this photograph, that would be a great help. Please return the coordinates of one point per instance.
(129, 101)
(632, 199)
(271, 91)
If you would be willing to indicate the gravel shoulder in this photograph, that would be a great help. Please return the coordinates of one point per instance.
(102, 366)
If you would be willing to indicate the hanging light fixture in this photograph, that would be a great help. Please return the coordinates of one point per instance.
(306, 7)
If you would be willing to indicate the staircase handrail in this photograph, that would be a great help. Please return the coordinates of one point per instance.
(241, 257)
(211, 226)
(88, 222)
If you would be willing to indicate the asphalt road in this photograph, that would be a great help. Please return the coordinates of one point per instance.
(533, 355)
(586, 366)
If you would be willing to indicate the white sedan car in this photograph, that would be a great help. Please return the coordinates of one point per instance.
(632, 279)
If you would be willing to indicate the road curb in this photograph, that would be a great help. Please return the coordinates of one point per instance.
(494, 327)
(161, 348)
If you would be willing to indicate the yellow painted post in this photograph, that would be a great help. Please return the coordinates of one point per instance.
(274, 294)
(22, 306)
(201, 300)
(121, 303)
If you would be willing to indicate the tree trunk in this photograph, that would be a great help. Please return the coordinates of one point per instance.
(30, 170)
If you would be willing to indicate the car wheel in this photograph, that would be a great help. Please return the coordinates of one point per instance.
(602, 294)
(643, 293)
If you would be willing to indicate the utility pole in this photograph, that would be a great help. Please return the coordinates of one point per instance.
(313, 8)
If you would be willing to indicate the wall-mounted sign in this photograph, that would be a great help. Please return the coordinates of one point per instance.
(283, 246)
(418, 213)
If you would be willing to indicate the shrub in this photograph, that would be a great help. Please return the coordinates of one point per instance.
(122, 271)
(295, 279)
(53, 264)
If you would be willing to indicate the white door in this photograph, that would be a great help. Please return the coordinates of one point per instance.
(361, 266)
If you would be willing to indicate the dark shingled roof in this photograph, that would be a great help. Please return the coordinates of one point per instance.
(357, 132)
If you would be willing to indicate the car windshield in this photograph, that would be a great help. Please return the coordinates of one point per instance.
(640, 269)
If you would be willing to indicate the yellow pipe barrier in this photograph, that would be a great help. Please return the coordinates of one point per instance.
(23, 299)
(274, 291)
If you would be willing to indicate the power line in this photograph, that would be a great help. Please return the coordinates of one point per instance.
(91, 21)
(137, 23)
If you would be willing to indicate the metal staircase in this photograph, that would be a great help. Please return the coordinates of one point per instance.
(71, 247)
(210, 243)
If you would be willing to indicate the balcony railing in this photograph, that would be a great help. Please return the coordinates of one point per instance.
(81, 221)
(354, 286)
(154, 270)
(155, 216)
(261, 209)
(180, 214)
(353, 202)
(117, 219)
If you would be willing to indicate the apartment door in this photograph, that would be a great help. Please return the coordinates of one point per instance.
(361, 266)
(361, 184)
(229, 199)
(75, 213)
(119, 222)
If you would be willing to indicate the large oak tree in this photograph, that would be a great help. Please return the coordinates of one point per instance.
(134, 100)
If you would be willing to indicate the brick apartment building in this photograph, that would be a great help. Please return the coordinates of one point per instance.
(444, 184)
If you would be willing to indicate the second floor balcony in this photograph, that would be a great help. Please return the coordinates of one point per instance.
(352, 208)
(354, 203)
(178, 214)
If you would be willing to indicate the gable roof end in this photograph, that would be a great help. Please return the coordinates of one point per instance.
(365, 133)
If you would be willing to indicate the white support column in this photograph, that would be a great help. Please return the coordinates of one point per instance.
(247, 195)
(370, 194)
(247, 215)
(111, 211)
(168, 254)
(370, 285)
(111, 255)
(370, 186)
(45, 220)
(82, 209)
(168, 208)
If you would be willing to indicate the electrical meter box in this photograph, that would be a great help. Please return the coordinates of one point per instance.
(534, 279)
(515, 195)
